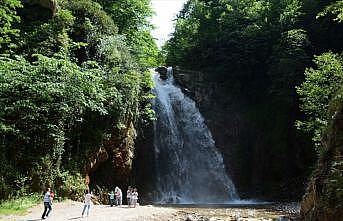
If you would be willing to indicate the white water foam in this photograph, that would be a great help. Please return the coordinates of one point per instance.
(189, 168)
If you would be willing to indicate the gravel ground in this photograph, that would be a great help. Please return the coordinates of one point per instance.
(71, 210)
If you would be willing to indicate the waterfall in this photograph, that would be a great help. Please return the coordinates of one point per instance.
(189, 168)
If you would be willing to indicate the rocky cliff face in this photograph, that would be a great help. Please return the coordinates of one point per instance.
(323, 200)
(143, 165)
(111, 164)
(38, 10)
(266, 156)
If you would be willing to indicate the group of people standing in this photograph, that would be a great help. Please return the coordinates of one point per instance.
(116, 197)
(132, 196)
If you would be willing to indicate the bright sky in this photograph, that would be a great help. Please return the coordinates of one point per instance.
(166, 11)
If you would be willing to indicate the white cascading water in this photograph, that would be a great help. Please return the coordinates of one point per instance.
(189, 168)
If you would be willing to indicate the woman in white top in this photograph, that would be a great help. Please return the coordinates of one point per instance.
(88, 201)
(134, 197)
(119, 196)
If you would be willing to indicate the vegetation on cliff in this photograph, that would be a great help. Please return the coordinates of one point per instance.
(256, 53)
(262, 52)
(321, 96)
(71, 75)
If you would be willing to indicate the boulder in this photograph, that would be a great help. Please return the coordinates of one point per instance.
(163, 72)
(190, 218)
(48, 4)
(95, 159)
(38, 10)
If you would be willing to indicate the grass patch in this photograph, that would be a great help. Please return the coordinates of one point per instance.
(19, 205)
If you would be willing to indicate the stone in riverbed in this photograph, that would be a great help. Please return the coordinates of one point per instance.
(191, 218)
(215, 219)
(163, 72)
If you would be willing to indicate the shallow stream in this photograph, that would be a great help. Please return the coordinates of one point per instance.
(230, 212)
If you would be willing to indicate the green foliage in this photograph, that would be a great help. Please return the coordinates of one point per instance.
(129, 15)
(92, 20)
(115, 55)
(333, 191)
(322, 101)
(70, 186)
(290, 14)
(256, 48)
(240, 33)
(335, 8)
(19, 205)
(38, 103)
(146, 50)
(320, 85)
(72, 81)
(254, 53)
(289, 58)
(48, 37)
(8, 17)
(132, 20)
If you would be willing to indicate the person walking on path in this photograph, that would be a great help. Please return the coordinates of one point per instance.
(47, 203)
(128, 196)
(119, 196)
(134, 197)
(87, 205)
(111, 195)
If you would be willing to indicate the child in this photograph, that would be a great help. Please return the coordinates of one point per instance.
(88, 197)
(134, 197)
(111, 195)
(52, 195)
(128, 196)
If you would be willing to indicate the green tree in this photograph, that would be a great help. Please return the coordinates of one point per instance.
(71, 83)
(335, 8)
(320, 85)
(132, 19)
(8, 17)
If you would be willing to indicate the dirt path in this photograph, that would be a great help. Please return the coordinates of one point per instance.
(70, 210)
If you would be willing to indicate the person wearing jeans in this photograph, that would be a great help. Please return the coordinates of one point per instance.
(87, 205)
(47, 203)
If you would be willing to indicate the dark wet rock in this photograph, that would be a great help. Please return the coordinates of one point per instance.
(95, 158)
(48, 4)
(144, 155)
(163, 72)
(203, 219)
(262, 159)
(112, 165)
(38, 10)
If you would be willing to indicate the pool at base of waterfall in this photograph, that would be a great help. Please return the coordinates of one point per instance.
(246, 211)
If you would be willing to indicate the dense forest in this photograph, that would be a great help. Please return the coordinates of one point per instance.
(261, 49)
(277, 67)
(73, 76)
(266, 74)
